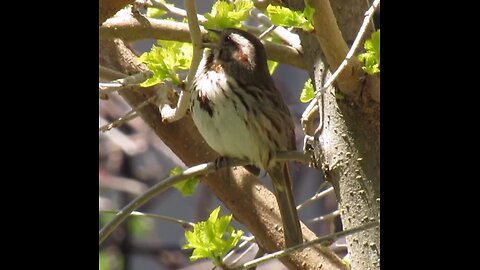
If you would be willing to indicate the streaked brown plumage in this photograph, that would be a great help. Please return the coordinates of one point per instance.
(240, 113)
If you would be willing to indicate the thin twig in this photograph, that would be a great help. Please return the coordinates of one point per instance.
(241, 245)
(328, 216)
(198, 170)
(320, 240)
(196, 38)
(285, 35)
(169, 114)
(267, 32)
(120, 121)
(128, 116)
(315, 197)
(183, 223)
(121, 140)
(175, 11)
(135, 79)
(322, 185)
(242, 254)
(123, 184)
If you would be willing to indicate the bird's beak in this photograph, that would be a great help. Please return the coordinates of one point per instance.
(218, 32)
(212, 45)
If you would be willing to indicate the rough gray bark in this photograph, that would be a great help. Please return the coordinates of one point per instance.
(348, 148)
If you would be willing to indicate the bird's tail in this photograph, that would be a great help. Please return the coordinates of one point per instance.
(283, 192)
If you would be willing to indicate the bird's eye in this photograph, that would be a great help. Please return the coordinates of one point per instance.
(227, 40)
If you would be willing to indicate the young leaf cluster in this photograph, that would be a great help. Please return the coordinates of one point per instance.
(283, 16)
(228, 14)
(307, 92)
(213, 238)
(166, 60)
(371, 57)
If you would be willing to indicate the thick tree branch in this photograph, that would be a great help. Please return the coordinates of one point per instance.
(348, 146)
(108, 8)
(132, 28)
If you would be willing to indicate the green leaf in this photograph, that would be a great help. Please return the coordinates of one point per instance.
(155, 12)
(272, 65)
(307, 92)
(371, 57)
(187, 186)
(225, 14)
(308, 11)
(286, 17)
(213, 238)
(166, 60)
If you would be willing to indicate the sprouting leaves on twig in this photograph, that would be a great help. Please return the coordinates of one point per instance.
(283, 16)
(213, 238)
(187, 186)
(165, 60)
(228, 14)
(371, 57)
(307, 92)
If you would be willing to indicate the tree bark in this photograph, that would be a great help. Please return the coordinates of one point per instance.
(108, 8)
(348, 148)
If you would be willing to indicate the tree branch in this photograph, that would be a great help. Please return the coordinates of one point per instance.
(132, 114)
(287, 36)
(174, 10)
(135, 79)
(315, 197)
(321, 240)
(131, 28)
(335, 49)
(183, 223)
(108, 8)
(199, 170)
(328, 216)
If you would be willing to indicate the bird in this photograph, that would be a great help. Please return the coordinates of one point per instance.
(240, 113)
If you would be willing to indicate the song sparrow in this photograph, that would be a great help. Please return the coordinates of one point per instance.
(240, 113)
